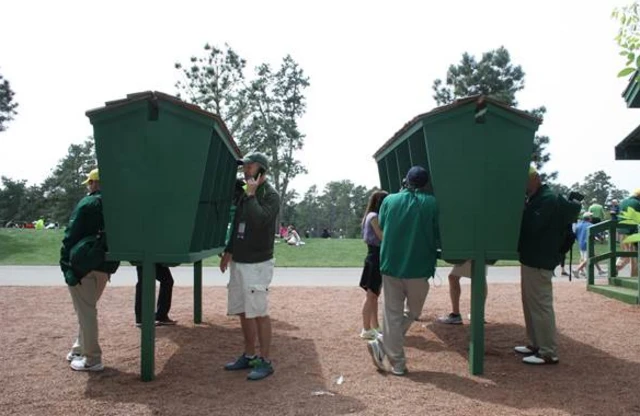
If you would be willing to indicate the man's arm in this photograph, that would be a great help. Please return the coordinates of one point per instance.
(232, 231)
(262, 214)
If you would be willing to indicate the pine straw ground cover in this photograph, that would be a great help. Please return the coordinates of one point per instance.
(315, 342)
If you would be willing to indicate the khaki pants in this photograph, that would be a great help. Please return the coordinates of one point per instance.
(85, 296)
(537, 304)
(396, 322)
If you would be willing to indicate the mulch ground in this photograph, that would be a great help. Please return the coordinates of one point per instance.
(315, 342)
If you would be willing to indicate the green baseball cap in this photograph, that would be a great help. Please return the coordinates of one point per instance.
(255, 157)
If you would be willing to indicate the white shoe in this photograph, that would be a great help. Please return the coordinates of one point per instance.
(525, 350)
(81, 365)
(73, 356)
(369, 334)
(377, 355)
(538, 360)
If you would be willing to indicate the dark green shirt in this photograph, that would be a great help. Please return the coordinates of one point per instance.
(86, 221)
(543, 229)
(253, 228)
(411, 236)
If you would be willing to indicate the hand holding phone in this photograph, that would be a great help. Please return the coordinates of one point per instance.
(253, 183)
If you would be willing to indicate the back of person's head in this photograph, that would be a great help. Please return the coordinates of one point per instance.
(417, 178)
(375, 201)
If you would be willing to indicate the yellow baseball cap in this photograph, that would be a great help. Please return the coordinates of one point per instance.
(92, 176)
(636, 192)
(532, 170)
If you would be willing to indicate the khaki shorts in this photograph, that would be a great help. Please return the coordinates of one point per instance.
(248, 288)
(464, 269)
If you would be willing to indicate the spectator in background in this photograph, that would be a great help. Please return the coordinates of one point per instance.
(581, 231)
(284, 232)
(293, 239)
(614, 211)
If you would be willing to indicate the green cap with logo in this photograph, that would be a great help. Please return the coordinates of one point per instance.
(255, 157)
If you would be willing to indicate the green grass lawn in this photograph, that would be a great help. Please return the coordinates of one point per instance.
(31, 247)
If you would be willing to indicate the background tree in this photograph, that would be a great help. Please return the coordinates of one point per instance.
(276, 103)
(628, 37)
(63, 188)
(598, 186)
(7, 104)
(308, 213)
(215, 82)
(12, 196)
(262, 114)
(495, 76)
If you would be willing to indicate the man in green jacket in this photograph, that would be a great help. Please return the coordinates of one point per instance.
(249, 256)
(409, 223)
(85, 285)
(542, 232)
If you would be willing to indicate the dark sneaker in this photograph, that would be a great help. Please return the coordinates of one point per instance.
(399, 370)
(241, 363)
(451, 319)
(261, 369)
(165, 322)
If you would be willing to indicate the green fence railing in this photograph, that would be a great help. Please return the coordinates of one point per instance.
(612, 228)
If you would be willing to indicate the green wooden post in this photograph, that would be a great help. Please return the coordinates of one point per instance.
(591, 252)
(613, 237)
(197, 292)
(476, 347)
(147, 332)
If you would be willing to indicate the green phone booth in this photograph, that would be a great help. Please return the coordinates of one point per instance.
(478, 152)
(167, 170)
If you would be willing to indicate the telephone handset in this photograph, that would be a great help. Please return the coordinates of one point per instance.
(260, 173)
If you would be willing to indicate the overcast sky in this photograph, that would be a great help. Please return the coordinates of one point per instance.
(371, 65)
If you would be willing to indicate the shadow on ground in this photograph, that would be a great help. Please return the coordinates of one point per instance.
(573, 386)
(292, 389)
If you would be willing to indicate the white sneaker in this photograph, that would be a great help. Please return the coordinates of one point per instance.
(539, 360)
(81, 365)
(73, 356)
(369, 334)
(377, 355)
(525, 350)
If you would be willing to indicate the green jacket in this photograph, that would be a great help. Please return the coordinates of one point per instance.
(411, 235)
(544, 227)
(254, 221)
(84, 241)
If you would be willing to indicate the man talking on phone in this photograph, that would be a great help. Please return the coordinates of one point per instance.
(249, 257)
